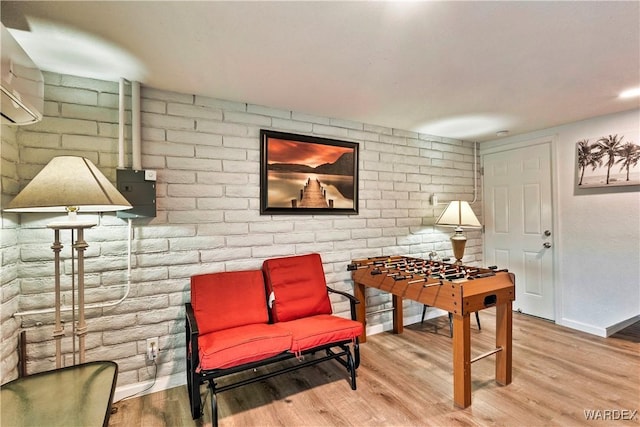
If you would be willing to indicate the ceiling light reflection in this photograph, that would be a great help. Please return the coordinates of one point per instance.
(468, 126)
(65, 50)
(630, 93)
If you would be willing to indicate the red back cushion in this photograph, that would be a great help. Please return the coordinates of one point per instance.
(298, 285)
(229, 299)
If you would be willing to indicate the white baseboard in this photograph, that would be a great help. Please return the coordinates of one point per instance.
(432, 313)
(140, 389)
(621, 325)
(596, 330)
(583, 327)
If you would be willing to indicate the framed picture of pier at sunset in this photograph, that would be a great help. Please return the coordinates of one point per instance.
(301, 174)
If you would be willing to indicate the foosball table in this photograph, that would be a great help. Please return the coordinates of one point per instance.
(458, 289)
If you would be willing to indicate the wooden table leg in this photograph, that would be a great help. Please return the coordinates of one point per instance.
(361, 309)
(461, 361)
(398, 315)
(503, 340)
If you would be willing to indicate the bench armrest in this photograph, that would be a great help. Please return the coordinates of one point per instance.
(192, 333)
(192, 324)
(352, 300)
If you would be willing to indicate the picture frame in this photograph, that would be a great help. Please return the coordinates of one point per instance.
(303, 175)
(608, 163)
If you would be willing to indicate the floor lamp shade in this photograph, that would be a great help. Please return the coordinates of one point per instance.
(458, 214)
(69, 183)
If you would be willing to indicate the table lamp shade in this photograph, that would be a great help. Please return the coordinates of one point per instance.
(69, 183)
(458, 214)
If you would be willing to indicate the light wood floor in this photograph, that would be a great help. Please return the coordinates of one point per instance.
(406, 380)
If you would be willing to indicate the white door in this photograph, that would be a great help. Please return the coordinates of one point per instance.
(518, 223)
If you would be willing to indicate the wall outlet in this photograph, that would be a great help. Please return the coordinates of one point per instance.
(152, 348)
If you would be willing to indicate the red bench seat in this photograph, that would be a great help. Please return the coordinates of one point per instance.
(244, 344)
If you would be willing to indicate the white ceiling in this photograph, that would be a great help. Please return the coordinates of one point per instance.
(457, 69)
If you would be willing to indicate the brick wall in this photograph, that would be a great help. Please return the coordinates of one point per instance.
(9, 256)
(206, 153)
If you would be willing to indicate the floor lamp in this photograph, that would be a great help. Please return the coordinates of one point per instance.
(69, 184)
(458, 214)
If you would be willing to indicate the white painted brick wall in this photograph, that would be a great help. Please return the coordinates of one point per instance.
(206, 153)
(9, 256)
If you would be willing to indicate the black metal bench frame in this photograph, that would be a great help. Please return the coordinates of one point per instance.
(344, 356)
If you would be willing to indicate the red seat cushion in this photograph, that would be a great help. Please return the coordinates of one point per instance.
(240, 345)
(228, 299)
(321, 329)
(298, 285)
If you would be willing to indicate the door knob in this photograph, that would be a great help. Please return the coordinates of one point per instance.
(547, 233)
(546, 245)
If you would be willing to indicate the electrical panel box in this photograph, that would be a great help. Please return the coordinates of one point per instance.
(139, 188)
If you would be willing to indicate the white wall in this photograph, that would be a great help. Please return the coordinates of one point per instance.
(598, 237)
(206, 153)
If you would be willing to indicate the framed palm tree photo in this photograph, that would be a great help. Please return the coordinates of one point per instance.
(608, 161)
(302, 174)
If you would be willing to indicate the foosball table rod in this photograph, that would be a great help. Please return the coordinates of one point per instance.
(489, 353)
(382, 310)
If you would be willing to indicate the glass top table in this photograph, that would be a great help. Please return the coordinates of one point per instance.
(79, 395)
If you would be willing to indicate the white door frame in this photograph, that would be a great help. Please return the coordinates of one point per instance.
(516, 143)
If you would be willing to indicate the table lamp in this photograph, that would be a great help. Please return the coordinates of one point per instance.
(69, 184)
(458, 214)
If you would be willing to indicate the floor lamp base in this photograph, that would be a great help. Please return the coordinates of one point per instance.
(79, 246)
